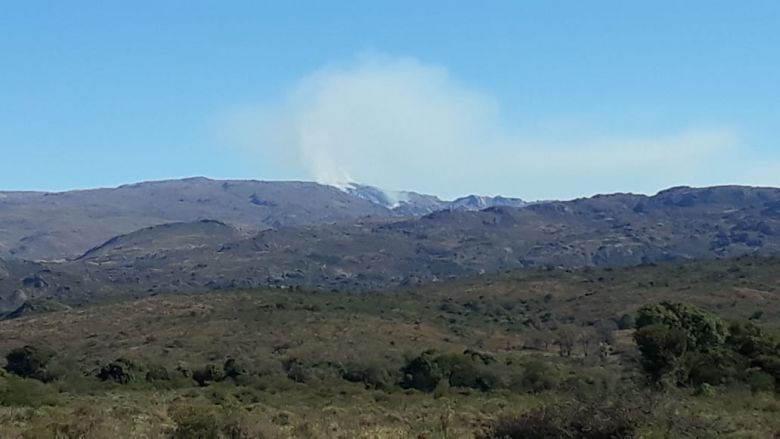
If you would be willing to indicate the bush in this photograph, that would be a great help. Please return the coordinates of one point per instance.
(373, 376)
(157, 374)
(232, 369)
(121, 371)
(683, 345)
(471, 369)
(566, 421)
(204, 422)
(537, 376)
(702, 330)
(30, 362)
(209, 374)
(761, 382)
(295, 370)
(422, 373)
(626, 321)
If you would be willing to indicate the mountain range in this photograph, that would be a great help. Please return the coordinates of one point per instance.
(199, 234)
(60, 225)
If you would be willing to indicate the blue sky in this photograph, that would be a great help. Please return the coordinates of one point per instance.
(537, 99)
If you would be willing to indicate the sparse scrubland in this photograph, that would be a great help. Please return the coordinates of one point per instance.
(668, 350)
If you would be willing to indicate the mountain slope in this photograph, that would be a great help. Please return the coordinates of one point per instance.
(612, 230)
(37, 225)
(50, 226)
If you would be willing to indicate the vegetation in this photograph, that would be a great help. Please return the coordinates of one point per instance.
(544, 354)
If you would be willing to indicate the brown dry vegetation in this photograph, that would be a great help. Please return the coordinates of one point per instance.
(515, 318)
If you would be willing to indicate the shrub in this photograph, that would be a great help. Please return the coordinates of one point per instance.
(295, 370)
(422, 373)
(30, 362)
(204, 422)
(209, 374)
(626, 321)
(684, 345)
(121, 371)
(157, 373)
(232, 369)
(761, 382)
(566, 421)
(703, 330)
(373, 376)
(537, 376)
(471, 369)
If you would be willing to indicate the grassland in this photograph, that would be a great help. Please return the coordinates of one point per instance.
(298, 347)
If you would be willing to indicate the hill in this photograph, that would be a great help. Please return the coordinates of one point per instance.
(323, 364)
(612, 230)
(59, 225)
(50, 226)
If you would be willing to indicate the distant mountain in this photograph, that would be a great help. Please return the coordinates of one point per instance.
(50, 226)
(36, 225)
(414, 204)
(371, 254)
(475, 202)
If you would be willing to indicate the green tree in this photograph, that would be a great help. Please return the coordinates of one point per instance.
(703, 330)
(661, 348)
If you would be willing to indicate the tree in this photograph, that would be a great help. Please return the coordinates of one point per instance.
(682, 344)
(703, 330)
(566, 337)
(30, 362)
(661, 348)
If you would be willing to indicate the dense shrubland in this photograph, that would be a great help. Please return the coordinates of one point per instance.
(581, 389)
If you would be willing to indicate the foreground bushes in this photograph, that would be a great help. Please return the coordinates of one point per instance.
(30, 362)
(573, 420)
(683, 345)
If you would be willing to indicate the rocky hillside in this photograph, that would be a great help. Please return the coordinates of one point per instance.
(612, 230)
(51, 226)
(37, 225)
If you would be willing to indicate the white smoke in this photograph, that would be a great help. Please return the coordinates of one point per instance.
(402, 124)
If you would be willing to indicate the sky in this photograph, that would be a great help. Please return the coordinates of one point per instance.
(535, 99)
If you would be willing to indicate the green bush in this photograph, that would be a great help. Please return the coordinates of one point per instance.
(537, 376)
(209, 374)
(683, 345)
(30, 362)
(372, 375)
(470, 369)
(422, 373)
(702, 330)
(233, 369)
(761, 382)
(157, 374)
(121, 371)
